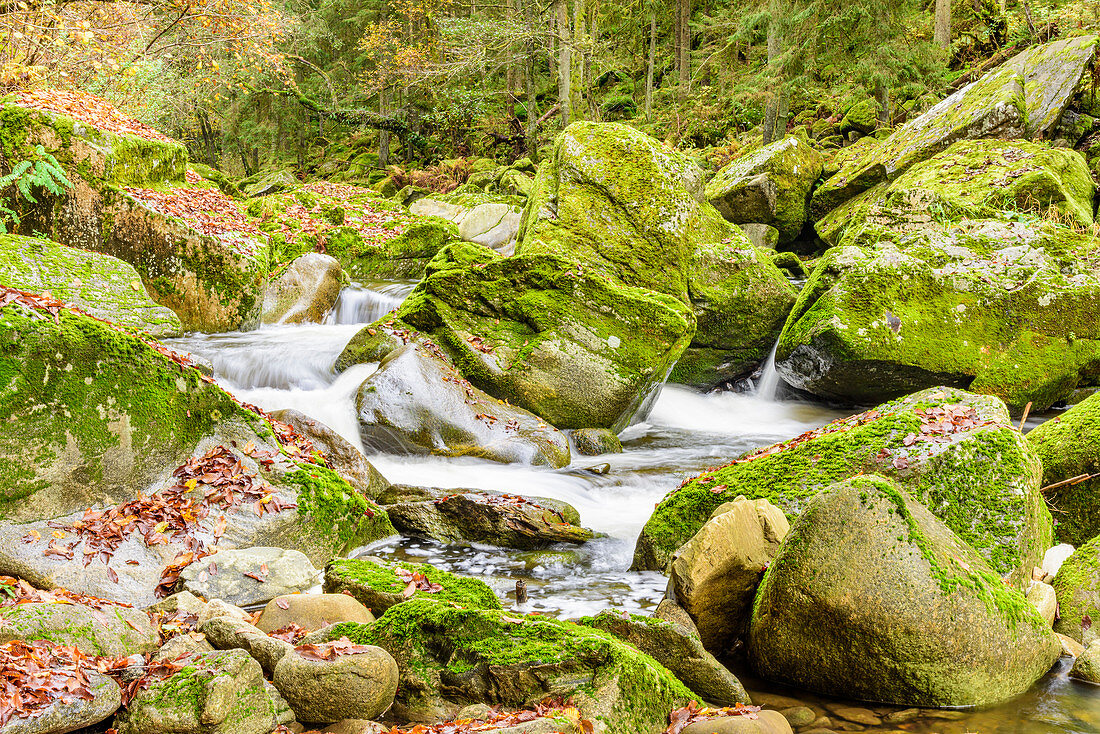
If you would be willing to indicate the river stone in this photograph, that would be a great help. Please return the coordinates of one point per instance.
(766, 722)
(1023, 98)
(377, 585)
(1069, 447)
(1044, 599)
(228, 633)
(1001, 308)
(494, 225)
(344, 458)
(181, 645)
(356, 726)
(976, 473)
(312, 611)
(595, 441)
(66, 716)
(761, 235)
(769, 186)
(100, 285)
(222, 692)
(111, 631)
(417, 402)
(483, 516)
(541, 331)
(1077, 586)
(682, 653)
(223, 575)
(361, 684)
(863, 575)
(305, 291)
(513, 662)
(715, 574)
(1087, 665)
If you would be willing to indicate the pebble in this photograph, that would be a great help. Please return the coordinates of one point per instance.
(799, 716)
(856, 715)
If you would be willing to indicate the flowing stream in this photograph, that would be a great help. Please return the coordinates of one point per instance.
(291, 366)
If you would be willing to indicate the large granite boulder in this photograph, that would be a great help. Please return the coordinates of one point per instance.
(379, 585)
(1077, 587)
(956, 452)
(100, 285)
(359, 682)
(305, 291)
(540, 331)
(768, 186)
(1069, 447)
(450, 657)
(869, 580)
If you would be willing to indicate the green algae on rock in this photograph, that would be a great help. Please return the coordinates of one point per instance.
(1069, 446)
(1077, 587)
(450, 657)
(863, 576)
(100, 285)
(956, 452)
(379, 585)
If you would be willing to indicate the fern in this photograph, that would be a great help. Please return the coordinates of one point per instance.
(44, 171)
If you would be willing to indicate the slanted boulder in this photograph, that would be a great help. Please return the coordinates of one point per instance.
(1069, 447)
(958, 453)
(100, 285)
(379, 585)
(306, 291)
(769, 186)
(865, 573)
(994, 307)
(494, 224)
(482, 516)
(540, 331)
(95, 627)
(418, 402)
(449, 657)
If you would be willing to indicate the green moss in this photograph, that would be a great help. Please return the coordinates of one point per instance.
(336, 508)
(461, 590)
(1077, 586)
(1069, 446)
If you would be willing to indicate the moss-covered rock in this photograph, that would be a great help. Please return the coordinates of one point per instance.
(100, 285)
(540, 331)
(450, 657)
(862, 117)
(403, 256)
(770, 186)
(270, 182)
(1077, 586)
(957, 453)
(1069, 447)
(620, 202)
(868, 579)
(112, 630)
(995, 307)
(219, 179)
(305, 291)
(379, 585)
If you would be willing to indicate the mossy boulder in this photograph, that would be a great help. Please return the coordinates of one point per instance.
(487, 222)
(956, 452)
(769, 186)
(741, 301)
(272, 182)
(1077, 586)
(450, 657)
(225, 184)
(621, 203)
(305, 291)
(862, 118)
(994, 307)
(972, 179)
(379, 585)
(540, 331)
(1069, 447)
(1023, 98)
(403, 256)
(112, 630)
(868, 579)
(100, 285)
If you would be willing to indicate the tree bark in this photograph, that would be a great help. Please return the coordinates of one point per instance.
(685, 45)
(383, 135)
(565, 66)
(775, 95)
(650, 65)
(531, 137)
(576, 77)
(942, 34)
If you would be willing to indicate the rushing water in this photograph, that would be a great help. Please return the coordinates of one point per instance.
(290, 366)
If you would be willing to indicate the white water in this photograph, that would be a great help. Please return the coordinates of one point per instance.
(768, 385)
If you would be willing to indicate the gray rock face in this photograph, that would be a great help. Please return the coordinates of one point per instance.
(493, 224)
(65, 716)
(223, 575)
(312, 611)
(222, 692)
(679, 651)
(360, 685)
(305, 291)
(417, 402)
(1087, 665)
(863, 575)
(227, 633)
(481, 516)
(715, 574)
(113, 631)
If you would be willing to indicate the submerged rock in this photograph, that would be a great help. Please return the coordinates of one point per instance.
(959, 453)
(305, 291)
(449, 657)
(481, 516)
(418, 402)
(863, 576)
(1069, 447)
(101, 285)
(595, 441)
(379, 585)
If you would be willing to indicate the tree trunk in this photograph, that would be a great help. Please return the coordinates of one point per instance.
(531, 137)
(942, 35)
(650, 65)
(775, 95)
(576, 77)
(565, 65)
(685, 45)
(882, 96)
(383, 135)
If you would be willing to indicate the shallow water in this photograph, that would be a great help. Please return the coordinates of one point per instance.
(291, 366)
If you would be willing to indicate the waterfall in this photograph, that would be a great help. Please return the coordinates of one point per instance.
(768, 385)
(359, 304)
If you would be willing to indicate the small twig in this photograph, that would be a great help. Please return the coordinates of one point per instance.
(1071, 481)
(1023, 418)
